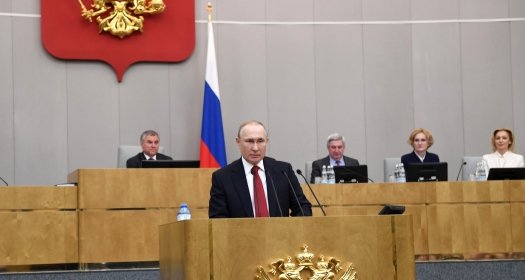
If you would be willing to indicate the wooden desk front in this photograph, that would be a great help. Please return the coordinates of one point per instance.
(450, 219)
(38, 225)
(120, 209)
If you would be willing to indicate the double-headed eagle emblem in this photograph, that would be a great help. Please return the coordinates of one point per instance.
(324, 269)
(121, 18)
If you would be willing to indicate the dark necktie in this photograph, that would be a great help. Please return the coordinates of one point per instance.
(338, 163)
(259, 200)
(151, 158)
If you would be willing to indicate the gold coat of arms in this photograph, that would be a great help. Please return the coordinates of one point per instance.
(121, 18)
(303, 267)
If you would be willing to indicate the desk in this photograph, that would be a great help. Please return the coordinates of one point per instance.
(38, 225)
(120, 209)
(450, 219)
(114, 214)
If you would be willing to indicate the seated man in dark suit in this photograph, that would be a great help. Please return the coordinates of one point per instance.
(150, 142)
(336, 149)
(256, 185)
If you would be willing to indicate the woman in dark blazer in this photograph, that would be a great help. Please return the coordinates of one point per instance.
(421, 140)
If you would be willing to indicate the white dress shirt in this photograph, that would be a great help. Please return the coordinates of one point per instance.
(249, 178)
(508, 159)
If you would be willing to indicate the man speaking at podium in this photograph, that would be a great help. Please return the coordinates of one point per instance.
(256, 185)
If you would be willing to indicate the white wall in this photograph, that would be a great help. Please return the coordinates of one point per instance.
(371, 82)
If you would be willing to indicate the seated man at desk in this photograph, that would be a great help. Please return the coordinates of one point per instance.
(149, 140)
(336, 149)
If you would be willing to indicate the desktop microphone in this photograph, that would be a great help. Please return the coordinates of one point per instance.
(312, 191)
(461, 168)
(293, 190)
(6, 184)
(274, 192)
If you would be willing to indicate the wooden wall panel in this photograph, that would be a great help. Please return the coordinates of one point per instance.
(38, 237)
(121, 236)
(142, 188)
(469, 228)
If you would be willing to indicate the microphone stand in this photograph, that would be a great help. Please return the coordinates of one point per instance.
(311, 190)
(294, 193)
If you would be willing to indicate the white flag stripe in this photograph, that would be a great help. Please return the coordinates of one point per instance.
(211, 65)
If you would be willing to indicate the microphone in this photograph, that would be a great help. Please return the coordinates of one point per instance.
(293, 190)
(274, 192)
(312, 191)
(6, 184)
(461, 168)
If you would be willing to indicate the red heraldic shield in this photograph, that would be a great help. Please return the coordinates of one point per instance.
(167, 37)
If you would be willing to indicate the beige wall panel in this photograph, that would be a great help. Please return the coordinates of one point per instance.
(121, 236)
(199, 213)
(41, 197)
(38, 237)
(470, 228)
(193, 251)
(517, 190)
(351, 194)
(240, 245)
(143, 188)
(417, 212)
(518, 227)
(454, 192)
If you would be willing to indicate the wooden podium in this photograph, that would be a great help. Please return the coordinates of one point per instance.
(379, 247)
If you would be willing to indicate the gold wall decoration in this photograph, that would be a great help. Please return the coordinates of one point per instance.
(121, 18)
(303, 267)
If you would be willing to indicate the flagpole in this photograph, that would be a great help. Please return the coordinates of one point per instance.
(210, 9)
(212, 146)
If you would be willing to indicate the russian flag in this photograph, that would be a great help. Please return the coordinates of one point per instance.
(212, 148)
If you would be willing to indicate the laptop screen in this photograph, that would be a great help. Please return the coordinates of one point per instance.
(351, 174)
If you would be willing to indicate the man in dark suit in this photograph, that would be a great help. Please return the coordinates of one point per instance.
(336, 149)
(256, 185)
(150, 142)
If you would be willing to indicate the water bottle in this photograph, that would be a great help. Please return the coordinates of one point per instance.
(481, 173)
(396, 173)
(330, 174)
(324, 176)
(184, 212)
(401, 174)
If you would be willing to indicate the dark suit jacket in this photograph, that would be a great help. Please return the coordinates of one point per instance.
(230, 197)
(413, 158)
(136, 161)
(317, 166)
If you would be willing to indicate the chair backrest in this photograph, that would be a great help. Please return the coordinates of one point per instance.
(308, 170)
(470, 167)
(127, 151)
(389, 165)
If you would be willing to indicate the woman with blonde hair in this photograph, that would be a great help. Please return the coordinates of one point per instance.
(502, 147)
(421, 140)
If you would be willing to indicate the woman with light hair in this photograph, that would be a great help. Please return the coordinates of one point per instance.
(421, 140)
(502, 147)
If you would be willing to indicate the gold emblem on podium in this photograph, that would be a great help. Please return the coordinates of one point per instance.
(303, 267)
(121, 18)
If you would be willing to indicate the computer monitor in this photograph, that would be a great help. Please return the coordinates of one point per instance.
(170, 164)
(426, 172)
(509, 173)
(351, 174)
